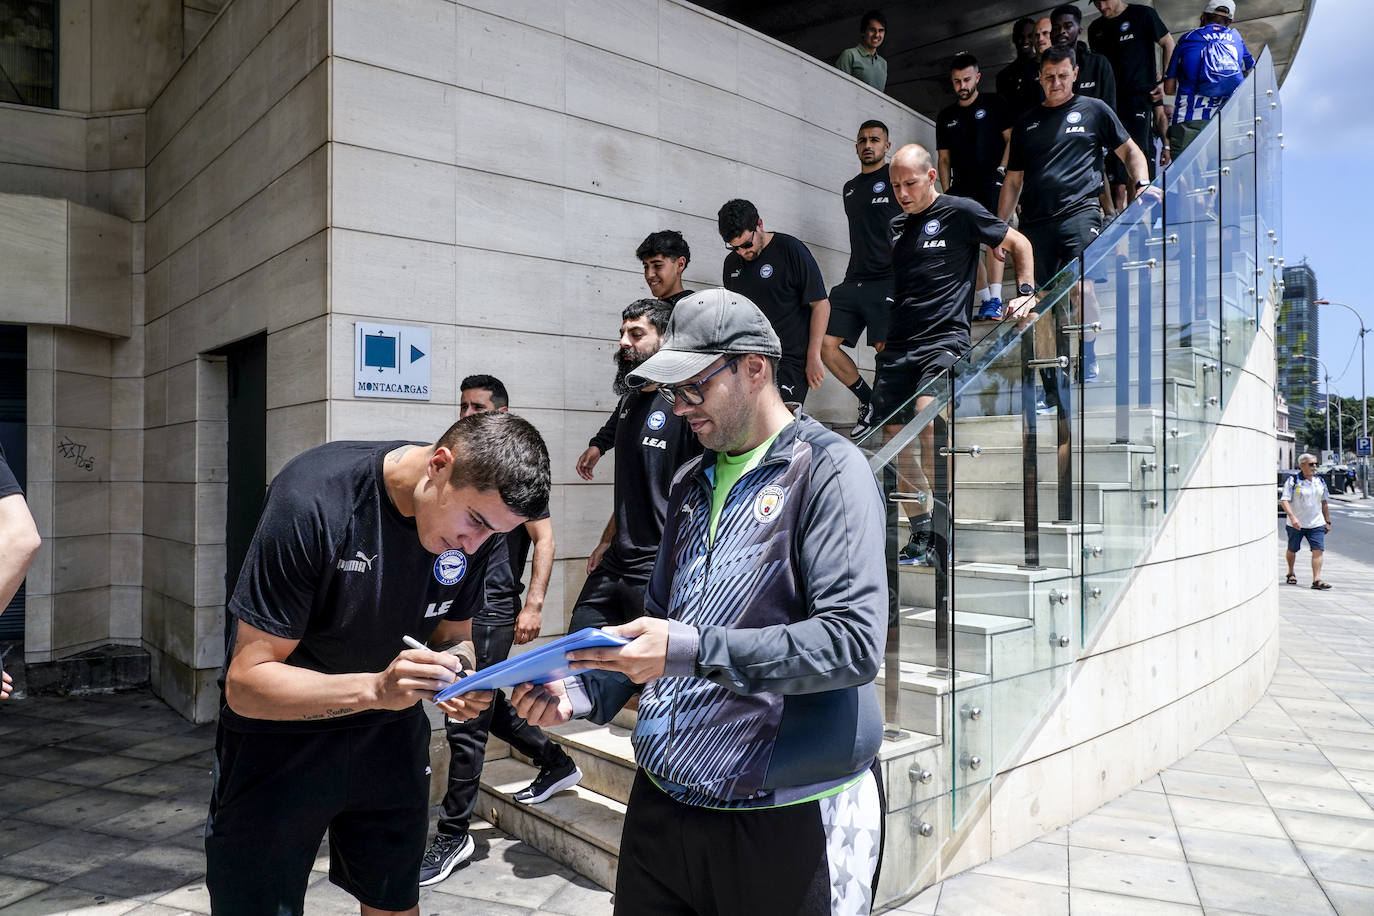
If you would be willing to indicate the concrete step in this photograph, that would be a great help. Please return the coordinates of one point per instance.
(974, 638)
(925, 693)
(981, 541)
(1002, 500)
(578, 828)
(1110, 463)
(603, 753)
(989, 588)
(1000, 647)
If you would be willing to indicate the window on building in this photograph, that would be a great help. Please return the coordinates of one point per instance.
(28, 52)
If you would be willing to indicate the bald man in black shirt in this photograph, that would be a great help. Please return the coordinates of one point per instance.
(935, 249)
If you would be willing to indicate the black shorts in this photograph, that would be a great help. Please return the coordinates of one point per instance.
(609, 597)
(275, 795)
(900, 374)
(812, 858)
(986, 191)
(792, 380)
(859, 304)
(1137, 116)
(1056, 242)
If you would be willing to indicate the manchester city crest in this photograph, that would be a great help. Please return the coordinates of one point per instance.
(768, 503)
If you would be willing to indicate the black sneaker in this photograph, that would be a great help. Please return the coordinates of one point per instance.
(550, 781)
(864, 423)
(916, 551)
(444, 855)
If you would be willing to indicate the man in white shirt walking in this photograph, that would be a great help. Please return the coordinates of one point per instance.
(1309, 516)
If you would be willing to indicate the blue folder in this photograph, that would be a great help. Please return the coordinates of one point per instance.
(537, 666)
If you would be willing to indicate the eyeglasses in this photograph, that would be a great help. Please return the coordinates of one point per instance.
(748, 244)
(691, 392)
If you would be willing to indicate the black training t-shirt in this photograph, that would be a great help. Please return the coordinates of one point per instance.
(869, 205)
(1059, 150)
(1019, 85)
(1096, 80)
(335, 565)
(9, 484)
(651, 443)
(973, 136)
(934, 263)
(503, 587)
(1128, 42)
(782, 281)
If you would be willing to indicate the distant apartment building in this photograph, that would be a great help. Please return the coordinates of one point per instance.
(1298, 334)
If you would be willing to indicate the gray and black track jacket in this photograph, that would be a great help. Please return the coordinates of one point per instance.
(778, 629)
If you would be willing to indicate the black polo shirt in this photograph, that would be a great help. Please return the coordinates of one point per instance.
(973, 136)
(650, 443)
(1059, 152)
(782, 281)
(1128, 42)
(869, 205)
(934, 263)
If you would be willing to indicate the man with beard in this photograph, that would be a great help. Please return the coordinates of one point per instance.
(860, 301)
(650, 444)
(971, 138)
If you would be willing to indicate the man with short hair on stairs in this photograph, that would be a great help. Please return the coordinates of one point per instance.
(861, 299)
(766, 618)
(501, 622)
(936, 244)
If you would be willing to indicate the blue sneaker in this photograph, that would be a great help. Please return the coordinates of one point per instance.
(991, 310)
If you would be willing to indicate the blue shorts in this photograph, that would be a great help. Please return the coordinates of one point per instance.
(1316, 537)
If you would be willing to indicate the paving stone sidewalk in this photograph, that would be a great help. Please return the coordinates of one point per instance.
(102, 806)
(1273, 816)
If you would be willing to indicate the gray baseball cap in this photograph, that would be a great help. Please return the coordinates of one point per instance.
(705, 326)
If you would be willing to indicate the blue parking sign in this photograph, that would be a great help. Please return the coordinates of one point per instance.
(1362, 446)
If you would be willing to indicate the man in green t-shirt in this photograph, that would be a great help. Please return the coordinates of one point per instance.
(765, 621)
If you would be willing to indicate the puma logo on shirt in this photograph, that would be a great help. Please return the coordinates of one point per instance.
(363, 563)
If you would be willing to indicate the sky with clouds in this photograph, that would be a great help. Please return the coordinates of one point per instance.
(1328, 175)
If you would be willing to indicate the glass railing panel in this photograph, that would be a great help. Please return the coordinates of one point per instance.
(1015, 505)
(1241, 275)
(1193, 372)
(1124, 279)
(1269, 206)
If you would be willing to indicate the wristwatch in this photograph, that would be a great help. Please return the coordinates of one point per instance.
(1141, 185)
(1025, 289)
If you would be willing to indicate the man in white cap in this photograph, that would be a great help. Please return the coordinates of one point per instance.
(765, 622)
(1208, 64)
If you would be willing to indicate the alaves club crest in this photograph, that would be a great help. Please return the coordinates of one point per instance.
(449, 567)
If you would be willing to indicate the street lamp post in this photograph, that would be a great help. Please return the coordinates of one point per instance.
(1327, 373)
(1364, 396)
